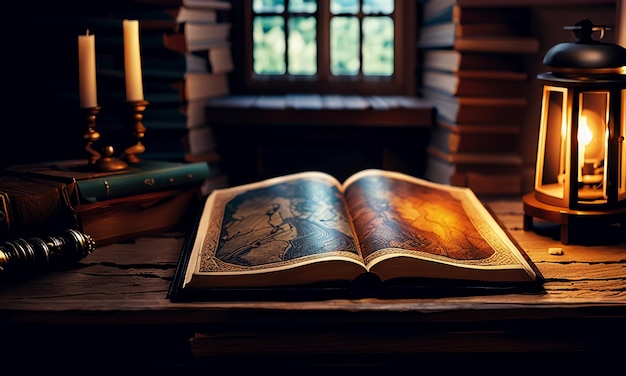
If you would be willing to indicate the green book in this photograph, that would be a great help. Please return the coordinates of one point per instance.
(145, 176)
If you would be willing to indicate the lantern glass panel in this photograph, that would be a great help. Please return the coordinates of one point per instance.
(621, 151)
(553, 153)
(592, 144)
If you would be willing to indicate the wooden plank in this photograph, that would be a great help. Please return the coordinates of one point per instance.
(128, 283)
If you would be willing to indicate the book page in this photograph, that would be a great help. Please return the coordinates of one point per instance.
(394, 214)
(275, 225)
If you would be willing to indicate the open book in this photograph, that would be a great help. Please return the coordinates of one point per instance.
(308, 229)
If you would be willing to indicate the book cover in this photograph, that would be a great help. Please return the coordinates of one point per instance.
(205, 85)
(178, 42)
(445, 36)
(481, 178)
(196, 36)
(486, 172)
(495, 138)
(465, 109)
(304, 229)
(462, 12)
(448, 60)
(124, 218)
(477, 83)
(143, 177)
(510, 158)
(34, 206)
(218, 31)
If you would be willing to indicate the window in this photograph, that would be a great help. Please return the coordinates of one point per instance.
(329, 46)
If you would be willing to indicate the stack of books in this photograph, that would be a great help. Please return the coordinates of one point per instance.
(186, 60)
(472, 63)
(147, 198)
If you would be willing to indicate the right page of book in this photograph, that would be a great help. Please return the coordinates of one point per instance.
(410, 227)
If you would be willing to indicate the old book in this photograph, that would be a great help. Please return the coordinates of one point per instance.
(504, 182)
(450, 35)
(132, 216)
(455, 138)
(465, 109)
(143, 177)
(309, 229)
(219, 31)
(455, 61)
(483, 172)
(519, 45)
(469, 12)
(205, 85)
(476, 83)
(34, 206)
(509, 158)
(483, 29)
(195, 36)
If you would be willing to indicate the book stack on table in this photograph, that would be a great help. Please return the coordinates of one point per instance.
(472, 60)
(186, 58)
(147, 198)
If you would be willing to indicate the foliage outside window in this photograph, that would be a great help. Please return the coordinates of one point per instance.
(332, 45)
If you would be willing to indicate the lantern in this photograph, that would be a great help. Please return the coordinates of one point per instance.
(580, 175)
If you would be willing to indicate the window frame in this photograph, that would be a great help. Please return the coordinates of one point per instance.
(402, 82)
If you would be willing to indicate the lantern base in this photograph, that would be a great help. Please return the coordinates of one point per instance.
(568, 219)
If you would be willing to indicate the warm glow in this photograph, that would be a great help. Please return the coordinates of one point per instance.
(591, 136)
(584, 133)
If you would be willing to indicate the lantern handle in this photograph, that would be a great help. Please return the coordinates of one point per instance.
(582, 30)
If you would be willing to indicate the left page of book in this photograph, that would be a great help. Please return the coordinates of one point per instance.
(285, 231)
(412, 228)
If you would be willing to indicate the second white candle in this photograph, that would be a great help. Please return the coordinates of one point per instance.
(132, 61)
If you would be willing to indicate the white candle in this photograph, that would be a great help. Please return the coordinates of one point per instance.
(132, 61)
(87, 70)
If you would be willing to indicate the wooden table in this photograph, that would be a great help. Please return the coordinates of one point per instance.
(110, 313)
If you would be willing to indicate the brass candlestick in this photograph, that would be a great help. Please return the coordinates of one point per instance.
(91, 135)
(95, 160)
(135, 122)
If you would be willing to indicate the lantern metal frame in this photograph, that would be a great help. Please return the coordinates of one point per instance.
(564, 194)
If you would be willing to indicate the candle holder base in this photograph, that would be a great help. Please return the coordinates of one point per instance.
(108, 163)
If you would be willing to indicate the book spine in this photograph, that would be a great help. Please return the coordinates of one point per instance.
(24, 212)
(103, 188)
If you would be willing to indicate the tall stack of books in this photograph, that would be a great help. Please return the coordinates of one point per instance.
(186, 59)
(472, 63)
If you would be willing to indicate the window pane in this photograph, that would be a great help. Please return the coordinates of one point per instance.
(269, 45)
(268, 6)
(344, 6)
(302, 45)
(344, 46)
(378, 6)
(378, 41)
(303, 6)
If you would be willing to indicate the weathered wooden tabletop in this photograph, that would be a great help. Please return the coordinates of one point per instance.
(133, 279)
